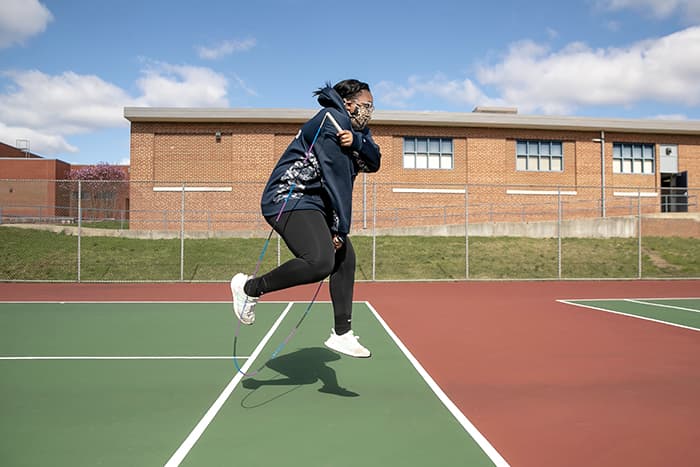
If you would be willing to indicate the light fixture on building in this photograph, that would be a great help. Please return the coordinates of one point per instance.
(218, 136)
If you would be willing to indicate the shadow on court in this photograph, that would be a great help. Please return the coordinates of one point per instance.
(300, 368)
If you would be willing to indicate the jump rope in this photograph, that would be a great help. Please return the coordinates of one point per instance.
(294, 330)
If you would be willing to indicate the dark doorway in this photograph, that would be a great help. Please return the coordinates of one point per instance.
(674, 192)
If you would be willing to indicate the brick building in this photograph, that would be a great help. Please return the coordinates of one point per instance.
(27, 184)
(512, 167)
(33, 188)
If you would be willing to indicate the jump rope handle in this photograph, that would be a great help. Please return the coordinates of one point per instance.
(334, 122)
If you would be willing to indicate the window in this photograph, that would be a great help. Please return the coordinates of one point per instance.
(427, 153)
(84, 195)
(633, 158)
(539, 156)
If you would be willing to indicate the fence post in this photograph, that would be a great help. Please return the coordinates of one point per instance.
(80, 222)
(374, 231)
(639, 233)
(466, 231)
(364, 200)
(558, 232)
(182, 234)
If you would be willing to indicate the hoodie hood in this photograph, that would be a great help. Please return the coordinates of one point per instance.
(328, 97)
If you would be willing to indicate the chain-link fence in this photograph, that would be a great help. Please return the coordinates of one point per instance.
(173, 231)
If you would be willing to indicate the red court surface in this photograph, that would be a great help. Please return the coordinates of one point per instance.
(547, 383)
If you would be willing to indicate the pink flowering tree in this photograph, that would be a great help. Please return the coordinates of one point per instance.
(102, 188)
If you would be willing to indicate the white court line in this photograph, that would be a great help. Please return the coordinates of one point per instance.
(116, 357)
(195, 434)
(126, 302)
(674, 307)
(480, 439)
(611, 299)
(629, 315)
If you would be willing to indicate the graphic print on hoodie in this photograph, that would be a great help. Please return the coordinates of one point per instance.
(298, 176)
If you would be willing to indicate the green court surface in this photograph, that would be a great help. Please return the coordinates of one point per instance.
(681, 312)
(144, 384)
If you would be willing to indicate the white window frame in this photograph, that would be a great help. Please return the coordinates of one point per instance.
(539, 155)
(424, 153)
(634, 158)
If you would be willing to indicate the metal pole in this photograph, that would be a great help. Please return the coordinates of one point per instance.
(182, 234)
(601, 140)
(364, 200)
(639, 233)
(374, 231)
(466, 231)
(558, 232)
(80, 222)
(602, 173)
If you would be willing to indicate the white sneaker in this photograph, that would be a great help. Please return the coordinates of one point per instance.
(243, 305)
(347, 344)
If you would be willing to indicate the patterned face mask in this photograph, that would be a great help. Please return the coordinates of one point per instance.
(361, 116)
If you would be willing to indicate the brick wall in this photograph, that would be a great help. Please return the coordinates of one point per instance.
(28, 187)
(170, 154)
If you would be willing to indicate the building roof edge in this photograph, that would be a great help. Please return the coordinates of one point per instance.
(417, 118)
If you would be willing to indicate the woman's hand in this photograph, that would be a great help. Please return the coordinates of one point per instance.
(337, 242)
(345, 138)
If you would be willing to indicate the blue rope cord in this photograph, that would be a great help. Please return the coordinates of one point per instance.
(257, 268)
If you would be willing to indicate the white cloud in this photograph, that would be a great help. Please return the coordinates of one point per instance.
(536, 79)
(463, 92)
(67, 103)
(240, 83)
(20, 20)
(41, 142)
(669, 117)
(225, 48)
(48, 108)
(182, 86)
(689, 10)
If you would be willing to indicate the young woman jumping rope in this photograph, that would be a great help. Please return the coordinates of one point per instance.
(308, 202)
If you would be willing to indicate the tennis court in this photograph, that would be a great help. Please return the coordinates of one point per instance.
(531, 373)
(681, 312)
(155, 384)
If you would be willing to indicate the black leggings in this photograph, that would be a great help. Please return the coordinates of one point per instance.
(309, 238)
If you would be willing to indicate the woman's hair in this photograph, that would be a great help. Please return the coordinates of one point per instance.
(348, 88)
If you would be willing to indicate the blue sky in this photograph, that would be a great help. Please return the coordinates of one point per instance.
(69, 67)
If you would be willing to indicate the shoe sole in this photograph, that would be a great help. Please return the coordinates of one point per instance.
(233, 295)
(346, 353)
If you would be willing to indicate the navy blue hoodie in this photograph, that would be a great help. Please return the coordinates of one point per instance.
(322, 179)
